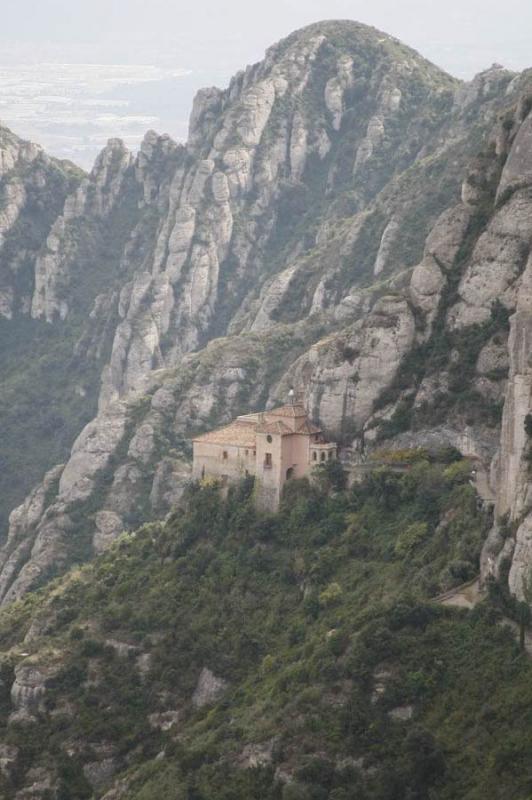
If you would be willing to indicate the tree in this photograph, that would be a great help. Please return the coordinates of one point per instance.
(523, 609)
(523, 617)
(331, 476)
(409, 539)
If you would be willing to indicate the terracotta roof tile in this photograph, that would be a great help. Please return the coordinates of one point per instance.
(308, 427)
(236, 433)
(288, 410)
(275, 426)
(241, 432)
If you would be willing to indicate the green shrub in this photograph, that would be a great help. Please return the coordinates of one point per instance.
(337, 642)
(410, 539)
(459, 472)
(268, 664)
(295, 791)
(92, 648)
(331, 476)
(331, 595)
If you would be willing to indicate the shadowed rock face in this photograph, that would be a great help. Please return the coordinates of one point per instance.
(316, 230)
(29, 689)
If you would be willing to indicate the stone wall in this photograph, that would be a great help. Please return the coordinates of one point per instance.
(209, 460)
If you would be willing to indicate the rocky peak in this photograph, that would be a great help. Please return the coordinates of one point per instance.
(206, 109)
(155, 164)
(487, 83)
(97, 194)
(113, 157)
(15, 151)
(94, 199)
(33, 189)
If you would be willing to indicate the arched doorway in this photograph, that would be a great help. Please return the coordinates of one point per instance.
(289, 473)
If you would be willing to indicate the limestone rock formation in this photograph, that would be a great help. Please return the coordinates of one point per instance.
(304, 236)
(95, 197)
(512, 472)
(33, 189)
(209, 689)
(342, 376)
(29, 688)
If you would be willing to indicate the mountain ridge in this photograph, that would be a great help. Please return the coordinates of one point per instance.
(346, 221)
(293, 222)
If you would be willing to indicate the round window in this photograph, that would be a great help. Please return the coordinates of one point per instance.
(269, 438)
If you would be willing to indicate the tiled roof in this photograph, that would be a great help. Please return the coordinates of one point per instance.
(241, 432)
(289, 410)
(308, 427)
(275, 426)
(236, 433)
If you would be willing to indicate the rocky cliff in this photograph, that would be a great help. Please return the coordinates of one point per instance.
(33, 189)
(344, 218)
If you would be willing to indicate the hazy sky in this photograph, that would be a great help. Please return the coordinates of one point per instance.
(159, 52)
(463, 35)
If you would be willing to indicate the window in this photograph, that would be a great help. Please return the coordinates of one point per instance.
(247, 452)
(267, 460)
(314, 456)
(322, 457)
(330, 454)
(317, 437)
(224, 455)
(269, 439)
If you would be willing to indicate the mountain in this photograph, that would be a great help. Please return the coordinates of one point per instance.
(346, 220)
(180, 287)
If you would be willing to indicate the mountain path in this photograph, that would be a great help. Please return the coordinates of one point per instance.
(467, 595)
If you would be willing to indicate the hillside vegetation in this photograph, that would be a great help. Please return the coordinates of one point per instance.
(295, 655)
